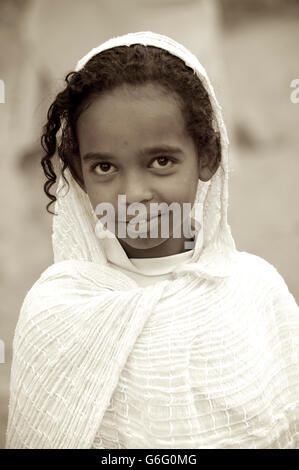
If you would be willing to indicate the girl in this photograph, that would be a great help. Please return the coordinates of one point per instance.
(148, 342)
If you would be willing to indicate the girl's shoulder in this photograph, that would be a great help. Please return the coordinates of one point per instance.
(69, 284)
(56, 273)
(261, 275)
(256, 264)
(67, 276)
(50, 282)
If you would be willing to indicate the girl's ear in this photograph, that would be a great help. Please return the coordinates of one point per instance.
(76, 171)
(207, 166)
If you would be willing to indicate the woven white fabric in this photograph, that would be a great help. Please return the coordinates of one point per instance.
(208, 359)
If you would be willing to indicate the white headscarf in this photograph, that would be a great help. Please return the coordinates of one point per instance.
(74, 227)
(80, 320)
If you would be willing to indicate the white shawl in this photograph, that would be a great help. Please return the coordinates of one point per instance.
(79, 322)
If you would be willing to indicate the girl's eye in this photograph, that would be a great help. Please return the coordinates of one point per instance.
(104, 166)
(163, 162)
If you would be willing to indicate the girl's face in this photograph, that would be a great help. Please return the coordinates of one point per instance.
(133, 142)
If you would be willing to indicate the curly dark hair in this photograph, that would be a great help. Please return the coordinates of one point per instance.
(133, 65)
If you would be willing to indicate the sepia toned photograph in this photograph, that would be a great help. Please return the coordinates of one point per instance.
(150, 225)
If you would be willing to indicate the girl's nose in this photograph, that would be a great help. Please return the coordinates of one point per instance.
(136, 188)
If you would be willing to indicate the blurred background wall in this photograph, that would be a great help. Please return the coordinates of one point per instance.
(249, 49)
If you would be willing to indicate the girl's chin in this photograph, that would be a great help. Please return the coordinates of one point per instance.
(142, 243)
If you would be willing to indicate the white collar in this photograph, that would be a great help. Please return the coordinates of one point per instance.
(117, 256)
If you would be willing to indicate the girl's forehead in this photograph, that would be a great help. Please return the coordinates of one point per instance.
(148, 89)
(131, 112)
(138, 92)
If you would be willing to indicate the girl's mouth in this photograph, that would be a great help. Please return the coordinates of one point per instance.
(144, 226)
(143, 221)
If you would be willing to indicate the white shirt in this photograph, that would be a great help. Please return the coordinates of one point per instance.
(144, 271)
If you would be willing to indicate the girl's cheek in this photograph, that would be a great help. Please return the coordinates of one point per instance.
(97, 196)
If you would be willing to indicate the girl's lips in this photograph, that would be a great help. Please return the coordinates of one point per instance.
(146, 225)
(145, 220)
(140, 221)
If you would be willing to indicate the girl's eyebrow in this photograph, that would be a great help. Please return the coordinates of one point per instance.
(92, 156)
(160, 149)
